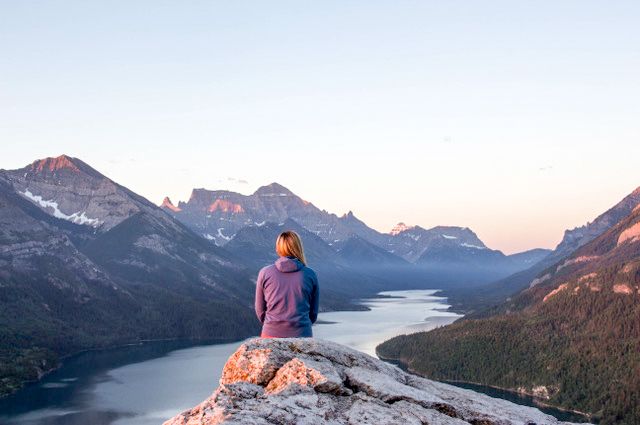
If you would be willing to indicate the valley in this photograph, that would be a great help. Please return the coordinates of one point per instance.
(87, 264)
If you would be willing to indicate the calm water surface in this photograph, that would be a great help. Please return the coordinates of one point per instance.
(147, 384)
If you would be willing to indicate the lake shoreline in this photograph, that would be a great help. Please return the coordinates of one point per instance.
(103, 384)
(356, 306)
(61, 359)
(537, 400)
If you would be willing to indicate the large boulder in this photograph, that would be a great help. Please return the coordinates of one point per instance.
(311, 381)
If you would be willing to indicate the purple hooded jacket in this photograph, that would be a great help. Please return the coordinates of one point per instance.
(287, 298)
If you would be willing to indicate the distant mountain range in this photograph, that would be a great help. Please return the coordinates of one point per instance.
(447, 255)
(219, 214)
(86, 262)
(571, 336)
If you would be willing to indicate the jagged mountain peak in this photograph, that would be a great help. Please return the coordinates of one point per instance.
(197, 193)
(55, 163)
(348, 214)
(579, 236)
(456, 232)
(202, 198)
(351, 217)
(399, 228)
(273, 189)
(166, 203)
(58, 166)
(67, 188)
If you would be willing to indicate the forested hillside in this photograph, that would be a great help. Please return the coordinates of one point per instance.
(572, 338)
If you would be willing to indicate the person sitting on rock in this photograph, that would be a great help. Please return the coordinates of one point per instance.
(287, 292)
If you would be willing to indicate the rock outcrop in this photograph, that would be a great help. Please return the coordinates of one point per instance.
(311, 381)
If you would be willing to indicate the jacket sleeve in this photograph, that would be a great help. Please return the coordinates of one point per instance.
(315, 300)
(261, 305)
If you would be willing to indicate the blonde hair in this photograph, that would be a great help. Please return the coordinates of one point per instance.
(289, 244)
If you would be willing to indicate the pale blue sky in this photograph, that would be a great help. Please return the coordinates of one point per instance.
(517, 119)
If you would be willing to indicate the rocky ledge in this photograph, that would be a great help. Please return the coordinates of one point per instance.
(311, 381)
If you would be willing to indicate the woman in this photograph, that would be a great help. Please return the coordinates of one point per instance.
(287, 294)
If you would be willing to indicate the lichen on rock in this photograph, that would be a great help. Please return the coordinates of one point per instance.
(316, 382)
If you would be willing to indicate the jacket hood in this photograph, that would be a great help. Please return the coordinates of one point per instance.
(288, 264)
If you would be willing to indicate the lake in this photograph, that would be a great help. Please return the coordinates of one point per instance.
(148, 383)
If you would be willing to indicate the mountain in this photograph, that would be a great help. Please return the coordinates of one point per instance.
(85, 263)
(414, 242)
(71, 190)
(529, 258)
(219, 214)
(477, 300)
(456, 256)
(450, 255)
(344, 275)
(256, 244)
(572, 337)
(358, 252)
(310, 381)
(575, 238)
(46, 284)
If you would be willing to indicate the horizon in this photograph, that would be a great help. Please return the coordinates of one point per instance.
(518, 121)
(252, 191)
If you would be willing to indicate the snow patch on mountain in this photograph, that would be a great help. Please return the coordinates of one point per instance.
(79, 217)
(221, 235)
(166, 203)
(449, 237)
(468, 245)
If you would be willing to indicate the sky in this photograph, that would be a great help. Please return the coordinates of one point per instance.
(518, 119)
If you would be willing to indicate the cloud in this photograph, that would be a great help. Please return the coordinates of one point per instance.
(546, 168)
(236, 180)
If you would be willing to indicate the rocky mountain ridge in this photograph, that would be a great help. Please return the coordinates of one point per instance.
(579, 236)
(477, 300)
(219, 216)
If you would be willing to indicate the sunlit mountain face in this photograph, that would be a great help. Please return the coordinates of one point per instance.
(454, 254)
